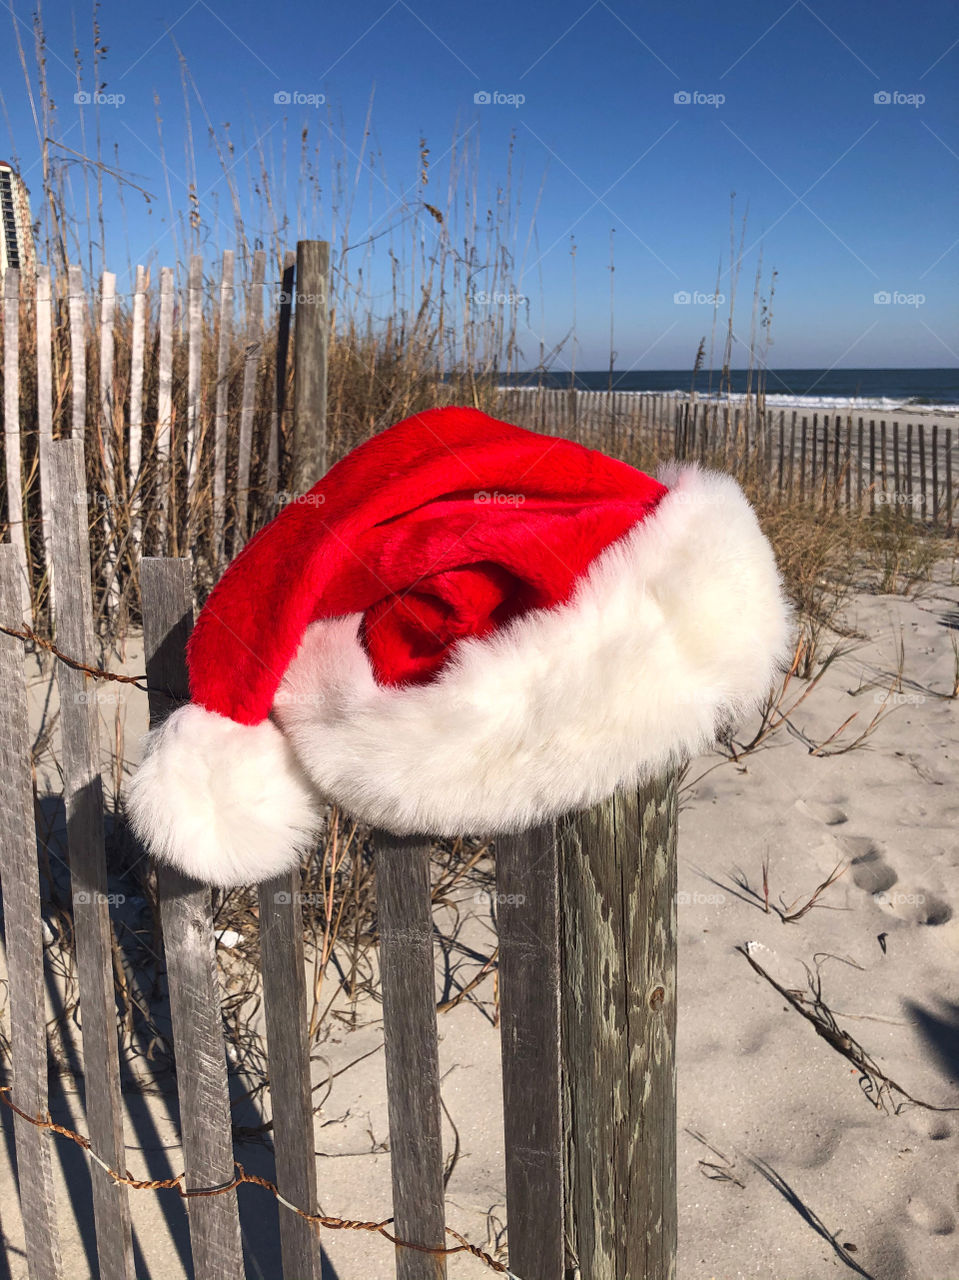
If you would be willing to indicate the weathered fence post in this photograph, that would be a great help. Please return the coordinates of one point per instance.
(618, 996)
(603, 1022)
(405, 920)
(20, 879)
(186, 914)
(310, 351)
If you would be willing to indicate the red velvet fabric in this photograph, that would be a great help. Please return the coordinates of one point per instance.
(446, 525)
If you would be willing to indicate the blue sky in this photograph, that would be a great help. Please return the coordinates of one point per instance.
(848, 197)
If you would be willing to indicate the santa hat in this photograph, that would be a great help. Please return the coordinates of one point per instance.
(464, 627)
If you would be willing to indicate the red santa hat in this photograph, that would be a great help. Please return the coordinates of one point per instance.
(463, 627)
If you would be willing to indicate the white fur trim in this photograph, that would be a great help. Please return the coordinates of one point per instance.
(224, 802)
(675, 627)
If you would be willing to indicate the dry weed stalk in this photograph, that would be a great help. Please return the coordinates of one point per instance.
(879, 1088)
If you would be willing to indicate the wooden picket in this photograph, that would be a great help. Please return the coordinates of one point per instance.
(20, 881)
(408, 978)
(83, 801)
(186, 914)
(11, 437)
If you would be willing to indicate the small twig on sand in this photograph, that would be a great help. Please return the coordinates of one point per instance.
(875, 1084)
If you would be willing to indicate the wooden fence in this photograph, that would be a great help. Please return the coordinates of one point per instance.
(587, 947)
(188, 428)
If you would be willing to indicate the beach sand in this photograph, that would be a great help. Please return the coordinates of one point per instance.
(787, 1171)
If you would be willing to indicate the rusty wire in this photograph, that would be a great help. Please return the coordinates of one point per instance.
(316, 1220)
(27, 634)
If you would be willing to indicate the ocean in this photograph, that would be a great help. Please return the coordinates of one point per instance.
(809, 388)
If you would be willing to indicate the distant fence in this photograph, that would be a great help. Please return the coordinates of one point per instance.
(830, 459)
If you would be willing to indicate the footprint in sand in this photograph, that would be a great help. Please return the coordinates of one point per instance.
(931, 909)
(936, 1219)
(928, 1125)
(870, 870)
(829, 814)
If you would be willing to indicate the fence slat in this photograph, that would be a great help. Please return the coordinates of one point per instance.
(108, 305)
(193, 390)
(859, 465)
(11, 435)
(405, 918)
(165, 406)
(77, 305)
(288, 1050)
(186, 915)
(83, 800)
(108, 440)
(527, 890)
(251, 364)
(618, 919)
(45, 421)
(872, 466)
(949, 498)
(222, 405)
(848, 463)
(136, 401)
(20, 881)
